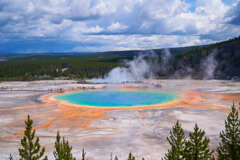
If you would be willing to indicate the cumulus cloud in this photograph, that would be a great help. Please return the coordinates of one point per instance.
(115, 25)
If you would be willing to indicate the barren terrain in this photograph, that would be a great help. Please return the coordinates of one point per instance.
(102, 131)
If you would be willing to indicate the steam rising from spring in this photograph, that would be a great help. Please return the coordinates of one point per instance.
(141, 67)
(147, 66)
(209, 65)
(166, 63)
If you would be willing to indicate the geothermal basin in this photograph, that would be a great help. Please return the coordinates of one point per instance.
(113, 118)
(117, 98)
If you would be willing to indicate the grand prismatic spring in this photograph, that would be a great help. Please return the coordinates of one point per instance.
(117, 98)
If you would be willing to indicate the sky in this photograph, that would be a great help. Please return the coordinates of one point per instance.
(35, 26)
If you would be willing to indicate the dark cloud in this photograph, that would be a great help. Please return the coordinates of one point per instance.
(236, 15)
(236, 20)
(56, 19)
(83, 18)
(40, 45)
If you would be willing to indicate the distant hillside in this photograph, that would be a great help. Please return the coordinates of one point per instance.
(219, 61)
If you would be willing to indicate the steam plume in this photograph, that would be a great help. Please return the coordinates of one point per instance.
(146, 65)
(209, 65)
(166, 62)
(141, 67)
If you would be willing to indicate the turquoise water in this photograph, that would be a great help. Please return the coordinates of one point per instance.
(117, 98)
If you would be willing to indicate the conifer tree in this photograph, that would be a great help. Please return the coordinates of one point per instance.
(62, 149)
(115, 158)
(30, 147)
(177, 141)
(131, 157)
(229, 147)
(197, 147)
(83, 154)
(10, 157)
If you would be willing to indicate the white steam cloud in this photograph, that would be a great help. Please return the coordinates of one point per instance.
(207, 68)
(209, 65)
(141, 67)
(166, 62)
(147, 66)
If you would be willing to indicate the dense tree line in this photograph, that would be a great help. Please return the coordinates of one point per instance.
(191, 63)
(186, 61)
(195, 146)
(35, 70)
(50, 66)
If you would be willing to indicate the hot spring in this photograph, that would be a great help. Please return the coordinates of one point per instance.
(117, 98)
